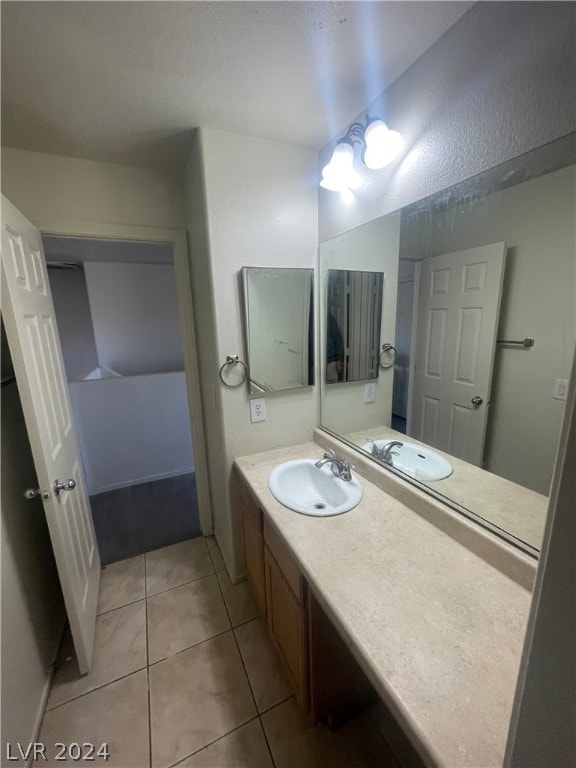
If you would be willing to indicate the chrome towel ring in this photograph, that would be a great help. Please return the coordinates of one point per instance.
(233, 360)
(387, 349)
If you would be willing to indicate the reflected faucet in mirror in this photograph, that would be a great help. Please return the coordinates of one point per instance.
(385, 452)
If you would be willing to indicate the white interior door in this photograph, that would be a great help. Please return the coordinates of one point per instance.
(32, 335)
(457, 323)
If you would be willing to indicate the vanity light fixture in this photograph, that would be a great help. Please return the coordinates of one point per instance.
(379, 147)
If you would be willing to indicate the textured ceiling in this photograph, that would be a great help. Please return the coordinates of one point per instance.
(127, 81)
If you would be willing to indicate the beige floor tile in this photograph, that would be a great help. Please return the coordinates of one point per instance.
(295, 743)
(178, 564)
(267, 678)
(121, 583)
(116, 714)
(244, 748)
(119, 649)
(185, 616)
(239, 599)
(196, 697)
(215, 554)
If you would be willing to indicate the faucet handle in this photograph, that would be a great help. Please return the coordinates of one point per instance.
(330, 453)
(345, 470)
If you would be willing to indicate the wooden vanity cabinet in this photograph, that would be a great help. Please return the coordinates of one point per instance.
(325, 677)
(286, 611)
(251, 518)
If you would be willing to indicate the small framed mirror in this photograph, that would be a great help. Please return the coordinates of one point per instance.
(353, 321)
(279, 327)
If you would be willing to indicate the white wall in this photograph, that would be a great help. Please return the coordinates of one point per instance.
(260, 200)
(500, 82)
(32, 605)
(373, 247)
(74, 321)
(135, 317)
(51, 189)
(132, 430)
(536, 220)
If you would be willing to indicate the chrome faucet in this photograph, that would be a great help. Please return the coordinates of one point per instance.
(386, 453)
(338, 466)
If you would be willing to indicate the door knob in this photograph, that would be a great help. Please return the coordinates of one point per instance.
(476, 400)
(32, 493)
(67, 485)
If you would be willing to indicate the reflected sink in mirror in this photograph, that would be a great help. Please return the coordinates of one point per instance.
(416, 461)
(309, 490)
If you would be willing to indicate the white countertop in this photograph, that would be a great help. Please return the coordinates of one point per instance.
(510, 506)
(438, 630)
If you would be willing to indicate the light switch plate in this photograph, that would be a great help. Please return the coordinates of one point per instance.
(258, 410)
(370, 392)
(560, 389)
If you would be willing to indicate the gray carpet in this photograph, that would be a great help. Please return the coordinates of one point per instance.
(139, 518)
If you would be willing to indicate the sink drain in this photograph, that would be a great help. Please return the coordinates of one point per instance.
(319, 506)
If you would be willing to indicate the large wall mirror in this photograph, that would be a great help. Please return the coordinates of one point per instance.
(279, 328)
(479, 300)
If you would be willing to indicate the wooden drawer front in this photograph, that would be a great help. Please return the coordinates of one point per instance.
(288, 627)
(253, 554)
(285, 561)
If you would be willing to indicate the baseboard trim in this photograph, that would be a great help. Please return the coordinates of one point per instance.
(141, 480)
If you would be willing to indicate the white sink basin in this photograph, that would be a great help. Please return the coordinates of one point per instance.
(301, 486)
(416, 461)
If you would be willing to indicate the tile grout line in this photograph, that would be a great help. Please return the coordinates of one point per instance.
(278, 703)
(211, 743)
(97, 688)
(214, 572)
(245, 670)
(189, 647)
(266, 738)
(210, 553)
(148, 668)
(184, 584)
(109, 610)
(238, 648)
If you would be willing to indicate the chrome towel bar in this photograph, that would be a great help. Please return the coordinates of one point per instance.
(522, 343)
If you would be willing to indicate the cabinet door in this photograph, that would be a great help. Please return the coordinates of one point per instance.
(253, 547)
(287, 625)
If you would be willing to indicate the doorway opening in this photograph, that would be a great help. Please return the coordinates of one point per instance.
(116, 307)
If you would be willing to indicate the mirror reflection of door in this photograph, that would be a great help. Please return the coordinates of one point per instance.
(354, 316)
(457, 322)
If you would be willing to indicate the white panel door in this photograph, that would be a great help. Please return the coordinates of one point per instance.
(32, 334)
(457, 323)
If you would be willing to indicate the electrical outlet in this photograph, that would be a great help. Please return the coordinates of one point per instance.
(370, 392)
(560, 389)
(258, 410)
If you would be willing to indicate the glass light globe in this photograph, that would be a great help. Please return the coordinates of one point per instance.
(382, 145)
(339, 173)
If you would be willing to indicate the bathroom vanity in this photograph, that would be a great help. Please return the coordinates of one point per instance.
(382, 599)
(300, 631)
